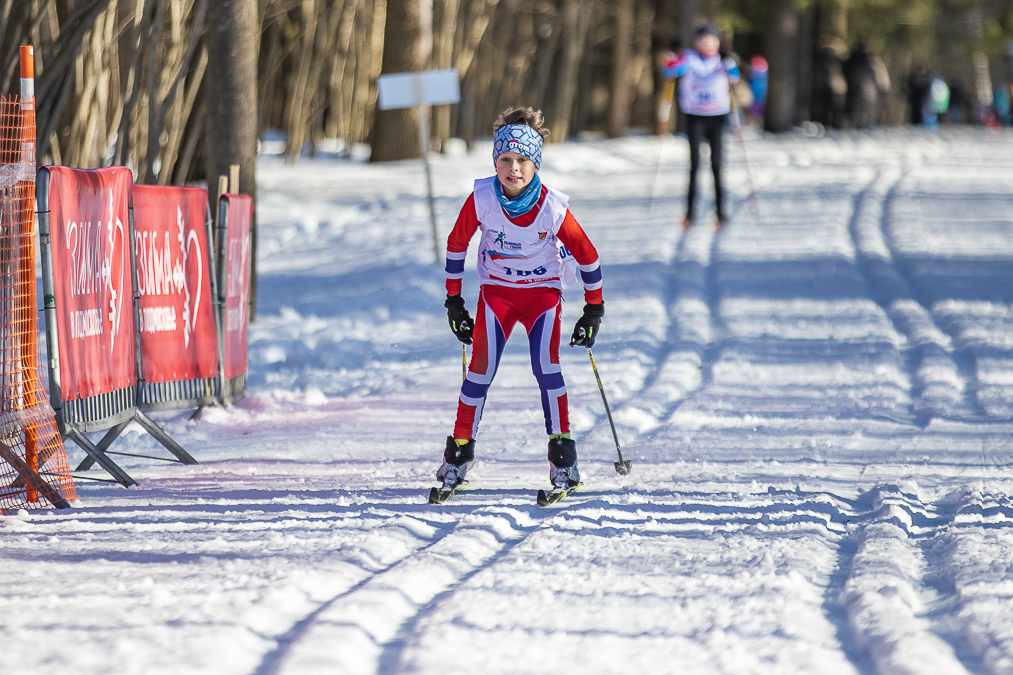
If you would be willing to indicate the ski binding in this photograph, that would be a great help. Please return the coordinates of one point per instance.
(548, 499)
(439, 496)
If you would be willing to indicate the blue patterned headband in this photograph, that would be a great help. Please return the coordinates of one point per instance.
(519, 138)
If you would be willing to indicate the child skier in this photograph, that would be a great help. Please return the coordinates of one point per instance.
(704, 97)
(523, 268)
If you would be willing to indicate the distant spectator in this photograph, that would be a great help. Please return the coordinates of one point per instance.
(958, 103)
(830, 87)
(1002, 105)
(937, 103)
(867, 81)
(758, 83)
(917, 91)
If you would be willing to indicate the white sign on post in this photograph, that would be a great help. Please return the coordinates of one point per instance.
(439, 87)
(418, 90)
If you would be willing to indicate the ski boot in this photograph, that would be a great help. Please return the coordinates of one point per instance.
(457, 459)
(562, 471)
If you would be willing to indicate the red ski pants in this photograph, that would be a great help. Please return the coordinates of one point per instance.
(500, 308)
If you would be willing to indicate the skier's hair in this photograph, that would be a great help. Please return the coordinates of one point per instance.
(514, 115)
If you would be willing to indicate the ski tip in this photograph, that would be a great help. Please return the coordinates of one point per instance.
(543, 500)
(434, 496)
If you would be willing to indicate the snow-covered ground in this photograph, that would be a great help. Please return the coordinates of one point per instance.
(818, 402)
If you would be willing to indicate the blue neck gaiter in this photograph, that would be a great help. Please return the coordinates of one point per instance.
(523, 202)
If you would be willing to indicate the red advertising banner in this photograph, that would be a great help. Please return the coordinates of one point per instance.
(179, 340)
(237, 283)
(91, 266)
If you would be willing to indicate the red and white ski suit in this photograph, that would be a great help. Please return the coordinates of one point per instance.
(524, 264)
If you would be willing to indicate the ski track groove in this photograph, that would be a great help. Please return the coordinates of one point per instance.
(936, 381)
(897, 582)
(989, 647)
(273, 660)
(345, 619)
(690, 344)
(834, 610)
(883, 594)
(662, 389)
(968, 406)
(390, 655)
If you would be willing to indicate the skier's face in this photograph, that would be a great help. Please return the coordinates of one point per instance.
(707, 45)
(515, 172)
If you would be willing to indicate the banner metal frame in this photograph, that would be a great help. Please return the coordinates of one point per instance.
(183, 394)
(235, 389)
(111, 411)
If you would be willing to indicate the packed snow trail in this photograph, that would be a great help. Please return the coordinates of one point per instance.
(818, 404)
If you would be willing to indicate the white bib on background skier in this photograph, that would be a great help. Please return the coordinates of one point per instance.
(703, 89)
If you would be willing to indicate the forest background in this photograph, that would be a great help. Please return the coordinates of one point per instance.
(137, 82)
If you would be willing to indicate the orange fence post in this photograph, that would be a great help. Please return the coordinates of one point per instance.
(33, 464)
(25, 292)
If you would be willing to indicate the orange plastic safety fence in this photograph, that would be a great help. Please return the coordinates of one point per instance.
(33, 463)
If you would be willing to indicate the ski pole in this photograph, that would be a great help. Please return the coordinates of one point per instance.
(664, 113)
(464, 361)
(657, 169)
(623, 466)
(737, 130)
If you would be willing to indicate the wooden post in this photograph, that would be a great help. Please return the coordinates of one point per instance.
(223, 188)
(234, 179)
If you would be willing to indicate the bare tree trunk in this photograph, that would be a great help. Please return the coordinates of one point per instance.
(805, 49)
(688, 12)
(549, 30)
(445, 27)
(193, 137)
(56, 82)
(619, 106)
(233, 43)
(575, 21)
(142, 24)
(185, 110)
(368, 60)
(295, 122)
(665, 25)
(834, 18)
(643, 106)
(405, 49)
(782, 34)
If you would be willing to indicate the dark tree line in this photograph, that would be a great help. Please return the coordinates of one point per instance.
(138, 82)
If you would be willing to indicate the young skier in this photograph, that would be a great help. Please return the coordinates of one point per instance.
(704, 97)
(523, 268)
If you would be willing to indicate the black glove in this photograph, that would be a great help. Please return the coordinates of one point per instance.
(460, 320)
(586, 330)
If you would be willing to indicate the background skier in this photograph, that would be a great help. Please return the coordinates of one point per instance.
(704, 97)
(868, 82)
(523, 268)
